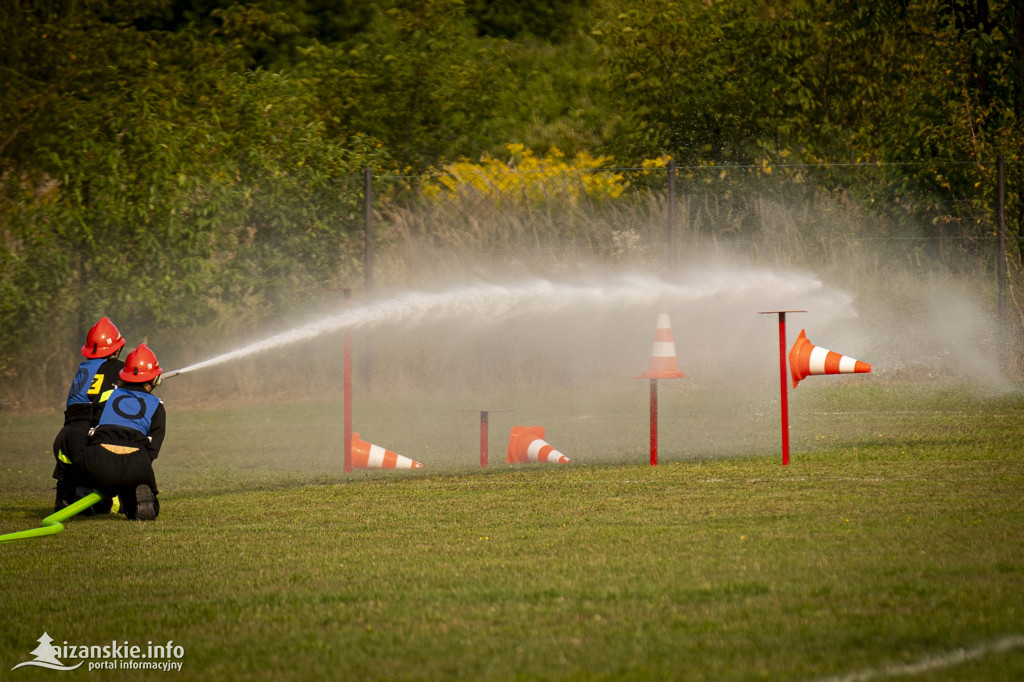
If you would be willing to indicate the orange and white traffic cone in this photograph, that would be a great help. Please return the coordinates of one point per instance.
(806, 359)
(663, 353)
(526, 444)
(369, 456)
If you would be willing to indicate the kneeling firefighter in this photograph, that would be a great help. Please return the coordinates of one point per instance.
(118, 454)
(94, 381)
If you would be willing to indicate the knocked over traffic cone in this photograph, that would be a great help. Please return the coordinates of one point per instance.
(663, 353)
(527, 444)
(806, 359)
(368, 456)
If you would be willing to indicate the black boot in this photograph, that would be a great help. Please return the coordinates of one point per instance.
(63, 497)
(145, 503)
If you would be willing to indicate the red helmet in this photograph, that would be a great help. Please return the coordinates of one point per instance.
(102, 340)
(140, 366)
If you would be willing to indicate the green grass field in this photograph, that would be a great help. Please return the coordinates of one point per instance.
(891, 547)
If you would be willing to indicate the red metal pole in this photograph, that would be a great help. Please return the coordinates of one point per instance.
(654, 422)
(783, 378)
(783, 388)
(484, 428)
(483, 439)
(348, 390)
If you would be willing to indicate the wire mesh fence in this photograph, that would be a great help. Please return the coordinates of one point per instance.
(866, 227)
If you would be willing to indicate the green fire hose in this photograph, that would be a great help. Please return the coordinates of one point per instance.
(52, 523)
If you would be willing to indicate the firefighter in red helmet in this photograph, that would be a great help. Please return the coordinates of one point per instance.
(118, 454)
(95, 379)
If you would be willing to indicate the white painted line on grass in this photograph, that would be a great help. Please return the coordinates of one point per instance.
(955, 657)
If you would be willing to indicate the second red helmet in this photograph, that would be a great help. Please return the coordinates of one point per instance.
(140, 366)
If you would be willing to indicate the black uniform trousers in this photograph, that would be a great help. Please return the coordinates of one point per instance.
(110, 472)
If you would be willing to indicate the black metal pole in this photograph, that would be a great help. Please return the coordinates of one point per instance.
(368, 266)
(1001, 264)
(673, 245)
(368, 225)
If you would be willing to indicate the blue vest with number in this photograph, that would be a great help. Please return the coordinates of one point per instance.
(87, 383)
(131, 409)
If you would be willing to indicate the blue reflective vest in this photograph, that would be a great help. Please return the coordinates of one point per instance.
(87, 383)
(130, 409)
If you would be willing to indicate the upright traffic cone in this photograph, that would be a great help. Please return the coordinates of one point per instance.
(806, 359)
(527, 444)
(663, 353)
(368, 456)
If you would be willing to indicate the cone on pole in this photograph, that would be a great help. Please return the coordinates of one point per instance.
(526, 444)
(663, 352)
(369, 456)
(806, 359)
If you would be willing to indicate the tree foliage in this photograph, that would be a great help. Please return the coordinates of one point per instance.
(416, 79)
(930, 83)
(150, 176)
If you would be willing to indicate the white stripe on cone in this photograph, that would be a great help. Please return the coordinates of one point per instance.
(847, 365)
(375, 460)
(663, 349)
(817, 360)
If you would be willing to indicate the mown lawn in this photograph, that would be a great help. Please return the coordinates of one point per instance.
(893, 541)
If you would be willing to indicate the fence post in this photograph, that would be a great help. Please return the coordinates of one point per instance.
(1001, 258)
(368, 225)
(368, 269)
(347, 391)
(673, 258)
(1001, 264)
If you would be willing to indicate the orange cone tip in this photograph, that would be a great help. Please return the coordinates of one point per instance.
(806, 359)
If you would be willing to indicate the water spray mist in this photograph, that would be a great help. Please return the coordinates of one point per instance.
(533, 298)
